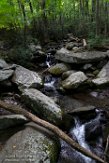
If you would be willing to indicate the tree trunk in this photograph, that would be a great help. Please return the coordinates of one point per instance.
(22, 8)
(53, 128)
(106, 19)
(93, 10)
(97, 18)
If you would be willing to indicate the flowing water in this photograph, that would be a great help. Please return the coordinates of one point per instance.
(81, 132)
(84, 133)
(48, 60)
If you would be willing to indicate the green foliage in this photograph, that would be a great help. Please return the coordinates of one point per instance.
(20, 55)
(97, 42)
(60, 16)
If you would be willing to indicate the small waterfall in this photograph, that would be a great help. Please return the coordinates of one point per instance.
(49, 85)
(79, 132)
(48, 60)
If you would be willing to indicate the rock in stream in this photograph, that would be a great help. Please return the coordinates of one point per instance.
(80, 57)
(43, 105)
(25, 78)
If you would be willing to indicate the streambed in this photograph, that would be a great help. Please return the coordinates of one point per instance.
(85, 113)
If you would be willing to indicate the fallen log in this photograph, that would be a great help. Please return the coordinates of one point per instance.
(19, 110)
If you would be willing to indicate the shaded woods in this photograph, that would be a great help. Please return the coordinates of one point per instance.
(46, 18)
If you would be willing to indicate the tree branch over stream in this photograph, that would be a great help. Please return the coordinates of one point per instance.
(19, 110)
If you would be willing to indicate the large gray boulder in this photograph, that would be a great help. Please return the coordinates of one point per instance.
(25, 78)
(74, 80)
(7, 121)
(58, 69)
(3, 64)
(44, 106)
(33, 144)
(5, 74)
(102, 77)
(80, 57)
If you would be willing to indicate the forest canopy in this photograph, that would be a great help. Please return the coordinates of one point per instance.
(81, 17)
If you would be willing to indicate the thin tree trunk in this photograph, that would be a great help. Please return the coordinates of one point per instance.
(97, 18)
(93, 10)
(106, 19)
(22, 8)
(31, 8)
(53, 128)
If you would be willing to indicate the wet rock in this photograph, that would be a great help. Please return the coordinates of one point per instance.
(70, 45)
(38, 57)
(74, 80)
(90, 75)
(30, 145)
(68, 104)
(67, 74)
(44, 106)
(3, 64)
(34, 47)
(5, 74)
(83, 109)
(94, 128)
(7, 121)
(89, 136)
(58, 69)
(85, 112)
(25, 78)
(51, 51)
(69, 155)
(75, 49)
(79, 57)
(102, 77)
(87, 66)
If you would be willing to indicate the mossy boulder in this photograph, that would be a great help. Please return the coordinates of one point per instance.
(33, 144)
(58, 69)
(43, 105)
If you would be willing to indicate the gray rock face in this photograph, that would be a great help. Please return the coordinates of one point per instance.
(102, 77)
(7, 121)
(79, 57)
(74, 80)
(58, 69)
(30, 145)
(42, 105)
(3, 64)
(5, 74)
(25, 78)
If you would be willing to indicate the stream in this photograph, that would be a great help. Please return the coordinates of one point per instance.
(86, 127)
(87, 132)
